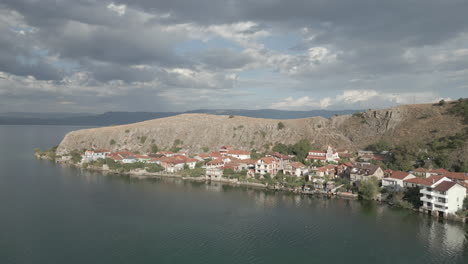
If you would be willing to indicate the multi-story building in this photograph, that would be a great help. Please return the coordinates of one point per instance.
(443, 197)
(266, 165)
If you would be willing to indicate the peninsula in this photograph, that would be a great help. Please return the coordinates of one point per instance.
(406, 155)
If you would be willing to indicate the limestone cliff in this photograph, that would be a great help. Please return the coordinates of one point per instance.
(398, 124)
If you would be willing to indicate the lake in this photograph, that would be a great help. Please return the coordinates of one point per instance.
(54, 214)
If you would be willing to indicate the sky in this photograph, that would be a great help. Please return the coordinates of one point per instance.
(157, 55)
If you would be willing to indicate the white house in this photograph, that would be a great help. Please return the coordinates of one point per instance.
(129, 159)
(296, 168)
(445, 197)
(239, 154)
(329, 156)
(395, 182)
(91, 155)
(214, 173)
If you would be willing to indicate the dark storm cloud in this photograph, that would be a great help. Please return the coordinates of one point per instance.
(103, 41)
(416, 22)
(17, 57)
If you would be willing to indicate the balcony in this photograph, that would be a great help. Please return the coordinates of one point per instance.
(433, 193)
(425, 199)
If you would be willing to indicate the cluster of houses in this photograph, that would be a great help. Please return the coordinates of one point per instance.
(441, 191)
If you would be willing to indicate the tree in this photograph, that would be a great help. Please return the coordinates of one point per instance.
(301, 149)
(280, 125)
(282, 148)
(154, 148)
(229, 173)
(369, 189)
(154, 168)
(205, 149)
(465, 203)
(112, 142)
(254, 155)
(380, 146)
(412, 195)
(76, 157)
(231, 116)
(442, 102)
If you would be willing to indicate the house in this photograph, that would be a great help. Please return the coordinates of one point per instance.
(395, 181)
(240, 165)
(459, 177)
(266, 165)
(344, 170)
(239, 154)
(365, 171)
(416, 182)
(142, 158)
(443, 198)
(329, 156)
(365, 155)
(296, 169)
(283, 160)
(92, 155)
(214, 173)
(165, 153)
(129, 159)
(224, 149)
(438, 172)
(218, 163)
(327, 170)
(178, 162)
(421, 172)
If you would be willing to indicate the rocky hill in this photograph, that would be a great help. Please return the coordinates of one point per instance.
(398, 125)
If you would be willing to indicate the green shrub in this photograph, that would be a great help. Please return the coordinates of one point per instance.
(143, 139)
(154, 148)
(112, 142)
(280, 125)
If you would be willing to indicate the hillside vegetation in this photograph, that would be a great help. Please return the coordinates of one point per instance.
(419, 134)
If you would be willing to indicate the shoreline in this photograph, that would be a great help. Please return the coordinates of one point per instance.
(142, 174)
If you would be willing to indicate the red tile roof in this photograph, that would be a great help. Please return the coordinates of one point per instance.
(419, 181)
(456, 176)
(297, 165)
(439, 171)
(421, 170)
(267, 160)
(399, 175)
(444, 186)
(434, 178)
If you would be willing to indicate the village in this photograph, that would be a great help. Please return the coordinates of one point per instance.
(332, 171)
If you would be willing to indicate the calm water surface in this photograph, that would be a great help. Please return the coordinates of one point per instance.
(51, 214)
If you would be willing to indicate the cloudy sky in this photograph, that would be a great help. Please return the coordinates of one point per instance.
(160, 55)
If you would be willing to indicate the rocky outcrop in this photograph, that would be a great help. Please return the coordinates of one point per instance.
(197, 131)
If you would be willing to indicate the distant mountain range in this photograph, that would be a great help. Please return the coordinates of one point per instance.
(120, 118)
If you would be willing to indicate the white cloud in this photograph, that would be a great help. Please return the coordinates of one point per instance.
(119, 9)
(356, 99)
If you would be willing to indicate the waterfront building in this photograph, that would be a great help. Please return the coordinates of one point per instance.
(395, 181)
(365, 171)
(93, 155)
(443, 197)
(266, 165)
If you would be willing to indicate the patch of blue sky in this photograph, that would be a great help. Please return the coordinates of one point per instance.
(195, 45)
